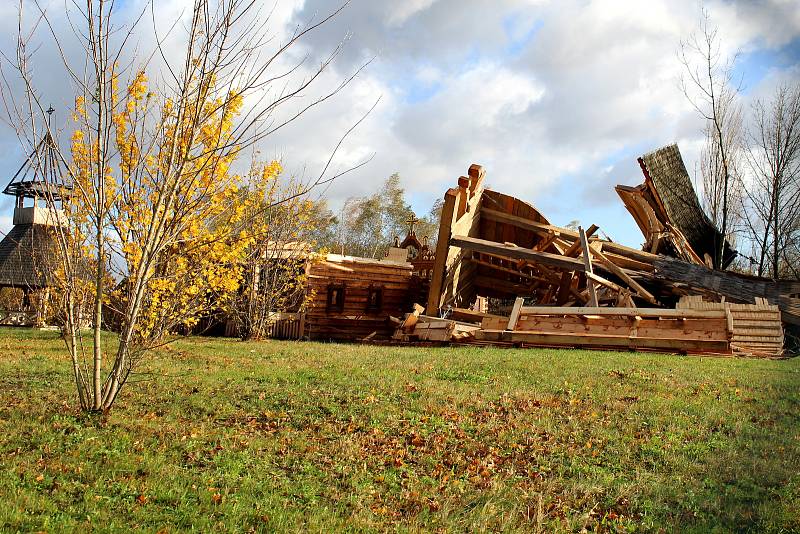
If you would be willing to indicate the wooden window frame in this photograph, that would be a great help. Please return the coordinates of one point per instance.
(338, 304)
(378, 306)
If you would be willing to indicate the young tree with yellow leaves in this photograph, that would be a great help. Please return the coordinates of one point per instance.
(159, 221)
(275, 263)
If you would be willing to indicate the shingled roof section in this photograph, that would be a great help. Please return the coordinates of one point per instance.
(666, 174)
(24, 255)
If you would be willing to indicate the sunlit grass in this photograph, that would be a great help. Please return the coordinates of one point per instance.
(221, 435)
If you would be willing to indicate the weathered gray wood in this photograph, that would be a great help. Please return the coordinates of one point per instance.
(735, 287)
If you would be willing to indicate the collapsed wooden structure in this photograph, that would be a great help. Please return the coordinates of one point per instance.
(556, 286)
(585, 291)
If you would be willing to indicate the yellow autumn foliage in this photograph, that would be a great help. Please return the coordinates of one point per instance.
(176, 219)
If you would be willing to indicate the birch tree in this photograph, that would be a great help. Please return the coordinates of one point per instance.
(773, 208)
(707, 83)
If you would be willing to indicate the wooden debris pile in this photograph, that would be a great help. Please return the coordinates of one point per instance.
(588, 291)
(670, 330)
(494, 245)
(418, 327)
(755, 329)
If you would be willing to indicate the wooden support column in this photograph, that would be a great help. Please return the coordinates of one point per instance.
(587, 264)
(442, 248)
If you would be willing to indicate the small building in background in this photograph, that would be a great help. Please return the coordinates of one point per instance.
(28, 252)
(353, 298)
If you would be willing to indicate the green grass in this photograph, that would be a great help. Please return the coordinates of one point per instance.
(220, 435)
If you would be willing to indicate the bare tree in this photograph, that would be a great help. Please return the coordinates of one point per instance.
(155, 224)
(774, 193)
(274, 278)
(707, 83)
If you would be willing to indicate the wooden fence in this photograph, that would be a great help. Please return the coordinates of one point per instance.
(283, 326)
(287, 326)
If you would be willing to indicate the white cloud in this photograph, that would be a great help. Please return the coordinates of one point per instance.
(542, 93)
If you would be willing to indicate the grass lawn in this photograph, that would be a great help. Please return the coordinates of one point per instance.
(220, 435)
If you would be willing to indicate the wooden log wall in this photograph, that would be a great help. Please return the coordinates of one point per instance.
(355, 321)
(756, 329)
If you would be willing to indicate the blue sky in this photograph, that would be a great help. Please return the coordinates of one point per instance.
(556, 99)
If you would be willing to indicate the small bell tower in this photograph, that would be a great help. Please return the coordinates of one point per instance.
(29, 249)
(39, 185)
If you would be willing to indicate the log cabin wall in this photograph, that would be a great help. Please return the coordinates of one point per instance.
(353, 297)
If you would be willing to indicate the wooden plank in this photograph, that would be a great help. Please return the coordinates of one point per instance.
(633, 284)
(495, 286)
(411, 320)
(512, 320)
(442, 248)
(593, 340)
(512, 251)
(506, 270)
(564, 288)
(603, 282)
(577, 245)
(642, 312)
(587, 266)
(642, 327)
(626, 263)
(628, 252)
(428, 318)
(466, 315)
(527, 224)
(565, 233)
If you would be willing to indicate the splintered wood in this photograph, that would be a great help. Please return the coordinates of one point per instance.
(417, 327)
(586, 291)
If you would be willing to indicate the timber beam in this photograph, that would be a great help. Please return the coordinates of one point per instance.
(509, 250)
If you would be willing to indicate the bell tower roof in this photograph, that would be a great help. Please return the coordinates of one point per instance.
(42, 175)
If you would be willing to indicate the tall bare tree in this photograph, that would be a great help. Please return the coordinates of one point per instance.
(156, 225)
(773, 194)
(707, 82)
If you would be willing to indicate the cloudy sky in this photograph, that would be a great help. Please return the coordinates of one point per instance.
(555, 99)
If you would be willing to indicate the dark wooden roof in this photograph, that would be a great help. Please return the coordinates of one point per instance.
(25, 256)
(666, 173)
(411, 239)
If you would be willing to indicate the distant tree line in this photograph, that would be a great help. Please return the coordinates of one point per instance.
(367, 226)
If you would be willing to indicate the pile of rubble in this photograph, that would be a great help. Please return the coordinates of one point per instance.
(585, 291)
